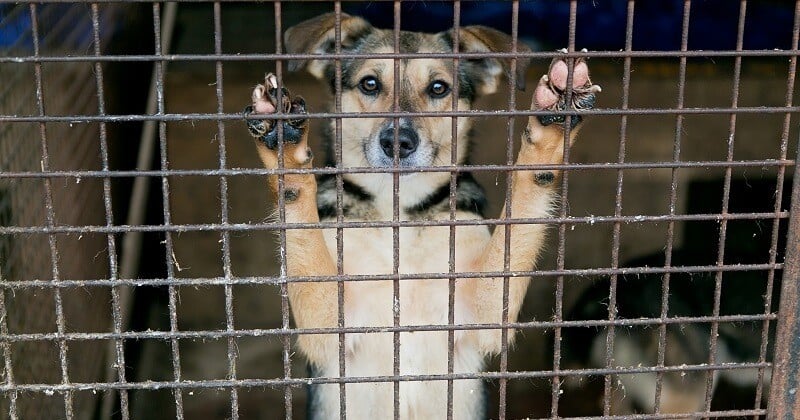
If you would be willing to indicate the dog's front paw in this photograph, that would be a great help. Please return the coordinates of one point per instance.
(265, 101)
(543, 140)
(551, 93)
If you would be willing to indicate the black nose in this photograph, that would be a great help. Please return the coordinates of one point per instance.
(407, 140)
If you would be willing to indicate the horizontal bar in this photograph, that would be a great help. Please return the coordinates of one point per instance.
(274, 383)
(273, 281)
(693, 415)
(78, 119)
(401, 170)
(278, 226)
(218, 334)
(211, 57)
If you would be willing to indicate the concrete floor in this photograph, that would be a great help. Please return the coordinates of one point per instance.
(194, 145)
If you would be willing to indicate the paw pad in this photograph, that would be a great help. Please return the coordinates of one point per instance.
(551, 93)
(267, 100)
(544, 178)
(291, 195)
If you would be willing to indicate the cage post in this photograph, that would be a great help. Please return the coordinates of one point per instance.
(337, 88)
(396, 209)
(512, 83)
(783, 400)
(451, 287)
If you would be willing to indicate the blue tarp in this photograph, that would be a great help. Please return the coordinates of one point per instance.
(15, 26)
(601, 23)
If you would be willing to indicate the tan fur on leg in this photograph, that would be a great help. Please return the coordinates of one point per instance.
(531, 197)
(314, 304)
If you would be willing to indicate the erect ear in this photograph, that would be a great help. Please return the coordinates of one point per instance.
(318, 36)
(484, 73)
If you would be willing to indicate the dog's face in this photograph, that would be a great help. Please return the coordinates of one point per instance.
(422, 85)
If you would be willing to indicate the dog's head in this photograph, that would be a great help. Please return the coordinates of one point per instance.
(423, 85)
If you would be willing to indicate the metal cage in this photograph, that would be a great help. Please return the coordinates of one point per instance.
(134, 230)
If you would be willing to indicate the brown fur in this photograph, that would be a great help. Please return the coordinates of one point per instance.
(309, 252)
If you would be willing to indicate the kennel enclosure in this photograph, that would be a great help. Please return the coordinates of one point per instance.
(690, 145)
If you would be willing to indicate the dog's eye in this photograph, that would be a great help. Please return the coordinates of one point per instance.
(438, 89)
(369, 85)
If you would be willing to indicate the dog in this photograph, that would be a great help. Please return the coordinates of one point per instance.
(425, 85)
(689, 295)
(685, 344)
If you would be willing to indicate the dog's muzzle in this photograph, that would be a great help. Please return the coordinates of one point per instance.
(407, 140)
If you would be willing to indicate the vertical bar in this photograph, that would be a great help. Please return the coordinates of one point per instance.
(784, 403)
(673, 197)
(512, 83)
(168, 248)
(396, 211)
(783, 399)
(451, 286)
(116, 302)
(224, 219)
(8, 368)
(339, 208)
(726, 189)
(612, 306)
(50, 215)
(562, 228)
(286, 340)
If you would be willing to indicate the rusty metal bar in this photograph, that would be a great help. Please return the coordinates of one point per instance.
(777, 163)
(225, 239)
(396, 209)
(726, 190)
(615, 247)
(451, 204)
(613, 280)
(785, 371)
(8, 363)
(50, 217)
(277, 226)
(165, 117)
(169, 252)
(281, 207)
(337, 148)
(294, 382)
(511, 105)
(784, 403)
(676, 153)
(67, 283)
(463, 55)
(118, 310)
(555, 386)
(214, 334)
(773, 254)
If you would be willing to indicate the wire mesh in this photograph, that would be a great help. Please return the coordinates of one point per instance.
(62, 303)
(60, 30)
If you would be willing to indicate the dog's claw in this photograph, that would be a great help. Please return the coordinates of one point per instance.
(265, 101)
(551, 93)
(257, 128)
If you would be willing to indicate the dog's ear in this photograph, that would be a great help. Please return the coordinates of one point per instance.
(485, 72)
(318, 36)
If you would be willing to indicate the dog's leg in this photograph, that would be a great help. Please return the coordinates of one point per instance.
(531, 196)
(314, 304)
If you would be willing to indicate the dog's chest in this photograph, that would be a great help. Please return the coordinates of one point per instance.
(421, 250)
(421, 301)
